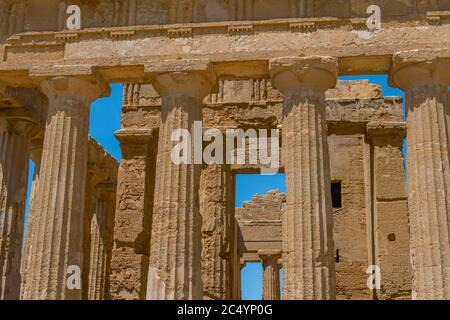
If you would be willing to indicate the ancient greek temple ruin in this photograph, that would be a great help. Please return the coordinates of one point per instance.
(148, 228)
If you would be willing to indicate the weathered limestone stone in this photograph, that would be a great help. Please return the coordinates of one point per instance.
(26, 14)
(260, 225)
(309, 266)
(391, 250)
(271, 274)
(132, 41)
(13, 188)
(175, 261)
(101, 231)
(35, 155)
(425, 76)
(57, 252)
(217, 216)
(134, 205)
(101, 184)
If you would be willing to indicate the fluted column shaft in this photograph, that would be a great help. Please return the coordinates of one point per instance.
(13, 189)
(215, 191)
(429, 188)
(175, 255)
(57, 234)
(36, 155)
(102, 223)
(271, 274)
(308, 260)
(425, 83)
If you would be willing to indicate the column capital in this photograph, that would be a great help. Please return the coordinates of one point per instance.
(190, 77)
(195, 85)
(420, 66)
(288, 73)
(273, 254)
(74, 88)
(135, 143)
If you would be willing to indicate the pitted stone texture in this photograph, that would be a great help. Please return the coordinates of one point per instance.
(217, 216)
(429, 189)
(391, 249)
(271, 274)
(175, 261)
(425, 77)
(101, 231)
(13, 188)
(35, 155)
(132, 231)
(60, 197)
(308, 260)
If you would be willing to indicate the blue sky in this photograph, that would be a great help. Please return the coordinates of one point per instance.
(105, 120)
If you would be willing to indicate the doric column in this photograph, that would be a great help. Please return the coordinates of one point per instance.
(308, 260)
(215, 194)
(242, 265)
(13, 192)
(35, 146)
(175, 256)
(271, 274)
(424, 75)
(133, 219)
(102, 224)
(57, 256)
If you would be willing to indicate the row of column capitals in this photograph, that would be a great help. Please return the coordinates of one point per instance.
(423, 66)
(290, 73)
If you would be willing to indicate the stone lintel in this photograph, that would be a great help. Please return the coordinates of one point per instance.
(275, 253)
(58, 70)
(386, 129)
(345, 127)
(119, 59)
(178, 65)
(135, 136)
(243, 69)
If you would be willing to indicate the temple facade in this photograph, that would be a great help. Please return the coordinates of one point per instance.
(355, 221)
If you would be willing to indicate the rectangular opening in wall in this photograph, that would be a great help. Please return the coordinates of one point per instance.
(251, 281)
(336, 194)
(259, 199)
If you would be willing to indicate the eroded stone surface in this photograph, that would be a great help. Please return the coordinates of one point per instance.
(153, 229)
